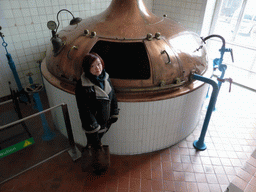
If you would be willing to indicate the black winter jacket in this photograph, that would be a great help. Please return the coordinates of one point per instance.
(95, 106)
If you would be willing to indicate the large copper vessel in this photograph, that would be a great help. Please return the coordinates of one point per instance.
(147, 57)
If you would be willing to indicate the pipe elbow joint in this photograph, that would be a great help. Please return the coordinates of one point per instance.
(206, 80)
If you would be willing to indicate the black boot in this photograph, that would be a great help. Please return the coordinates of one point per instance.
(95, 157)
(88, 152)
(102, 160)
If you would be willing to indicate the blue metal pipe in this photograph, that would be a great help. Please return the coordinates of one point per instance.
(222, 68)
(14, 71)
(199, 144)
(48, 134)
(217, 63)
(23, 96)
(12, 65)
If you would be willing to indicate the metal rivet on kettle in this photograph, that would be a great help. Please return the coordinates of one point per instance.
(86, 32)
(149, 36)
(177, 80)
(93, 34)
(162, 83)
(157, 35)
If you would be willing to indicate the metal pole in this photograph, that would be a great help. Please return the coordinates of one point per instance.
(199, 144)
(68, 125)
(74, 151)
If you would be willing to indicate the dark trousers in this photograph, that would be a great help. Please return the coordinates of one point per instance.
(94, 139)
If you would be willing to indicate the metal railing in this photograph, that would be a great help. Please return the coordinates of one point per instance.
(5, 102)
(73, 151)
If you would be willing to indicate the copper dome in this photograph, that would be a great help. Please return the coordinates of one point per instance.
(147, 57)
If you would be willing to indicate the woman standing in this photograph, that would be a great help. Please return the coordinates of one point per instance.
(97, 105)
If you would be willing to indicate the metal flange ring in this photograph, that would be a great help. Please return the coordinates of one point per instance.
(4, 44)
(33, 88)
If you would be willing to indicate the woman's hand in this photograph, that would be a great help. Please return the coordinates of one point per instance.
(112, 120)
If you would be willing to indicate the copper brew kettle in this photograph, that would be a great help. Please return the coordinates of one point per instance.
(148, 57)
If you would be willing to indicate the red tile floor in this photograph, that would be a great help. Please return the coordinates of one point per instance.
(230, 140)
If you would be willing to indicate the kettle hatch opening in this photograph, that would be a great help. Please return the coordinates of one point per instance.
(127, 60)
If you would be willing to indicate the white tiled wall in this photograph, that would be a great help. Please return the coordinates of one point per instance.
(188, 12)
(24, 26)
(25, 30)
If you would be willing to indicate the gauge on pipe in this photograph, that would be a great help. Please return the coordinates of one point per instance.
(51, 25)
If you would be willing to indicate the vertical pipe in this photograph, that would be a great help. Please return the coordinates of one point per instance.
(199, 144)
(68, 125)
(223, 69)
(23, 96)
(48, 134)
(14, 71)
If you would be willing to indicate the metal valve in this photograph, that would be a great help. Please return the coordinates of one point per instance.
(232, 56)
(223, 50)
(230, 80)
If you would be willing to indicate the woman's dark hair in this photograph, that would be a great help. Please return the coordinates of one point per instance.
(88, 61)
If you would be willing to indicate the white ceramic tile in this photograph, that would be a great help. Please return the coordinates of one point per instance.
(21, 58)
(19, 21)
(6, 4)
(23, 4)
(15, 4)
(75, 8)
(36, 19)
(25, 43)
(34, 11)
(29, 59)
(26, 12)
(17, 13)
(8, 13)
(39, 3)
(11, 23)
(37, 26)
(17, 39)
(43, 19)
(41, 11)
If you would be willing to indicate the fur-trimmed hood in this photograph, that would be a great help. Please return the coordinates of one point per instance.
(100, 93)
